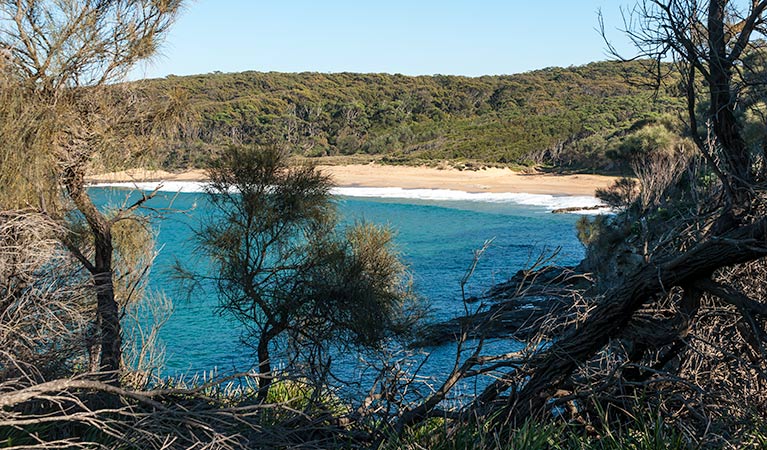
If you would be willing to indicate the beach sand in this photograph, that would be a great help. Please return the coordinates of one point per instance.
(495, 180)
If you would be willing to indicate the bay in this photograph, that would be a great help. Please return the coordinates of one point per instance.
(436, 237)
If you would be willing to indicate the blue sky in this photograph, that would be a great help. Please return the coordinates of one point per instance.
(412, 37)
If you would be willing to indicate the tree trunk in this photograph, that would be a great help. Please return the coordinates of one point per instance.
(610, 317)
(738, 236)
(107, 310)
(725, 125)
(264, 368)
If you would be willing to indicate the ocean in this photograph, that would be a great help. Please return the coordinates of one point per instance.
(437, 232)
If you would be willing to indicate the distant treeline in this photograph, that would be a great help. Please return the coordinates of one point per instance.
(574, 117)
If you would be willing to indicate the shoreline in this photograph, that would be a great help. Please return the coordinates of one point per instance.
(488, 180)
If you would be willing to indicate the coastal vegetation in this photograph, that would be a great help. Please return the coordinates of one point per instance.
(564, 118)
(283, 266)
(655, 340)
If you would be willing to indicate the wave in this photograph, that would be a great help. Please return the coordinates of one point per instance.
(161, 186)
(544, 200)
(547, 201)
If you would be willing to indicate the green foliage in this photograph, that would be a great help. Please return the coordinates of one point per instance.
(588, 229)
(647, 432)
(652, 138)
(282, 268)
(557, 116)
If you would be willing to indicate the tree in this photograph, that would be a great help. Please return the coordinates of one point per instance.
(673, 321)
(287, 274)
(64, 56)
(28, 174)
(695, 239)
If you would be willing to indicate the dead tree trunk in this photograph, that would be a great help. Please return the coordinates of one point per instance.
(726, 127)
(619, 305)
(711, 47)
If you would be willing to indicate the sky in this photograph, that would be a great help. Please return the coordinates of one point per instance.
(411, 37)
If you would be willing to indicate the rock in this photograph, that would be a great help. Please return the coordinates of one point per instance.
(571, 209)
(515, 308)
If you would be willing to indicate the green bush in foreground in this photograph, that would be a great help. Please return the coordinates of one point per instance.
(647, 433)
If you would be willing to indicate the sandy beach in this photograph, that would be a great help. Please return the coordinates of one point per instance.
(496, 180)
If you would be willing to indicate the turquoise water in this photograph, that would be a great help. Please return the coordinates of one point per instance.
(436, 238)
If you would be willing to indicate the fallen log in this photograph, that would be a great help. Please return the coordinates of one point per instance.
(552, 367)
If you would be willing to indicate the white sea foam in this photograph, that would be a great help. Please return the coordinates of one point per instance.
(162, 186)
(547, 201)
(550, 202)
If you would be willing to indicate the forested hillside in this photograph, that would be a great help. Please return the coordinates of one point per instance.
(565, 117)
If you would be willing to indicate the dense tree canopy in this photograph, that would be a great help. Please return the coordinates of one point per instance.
(557, 116)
